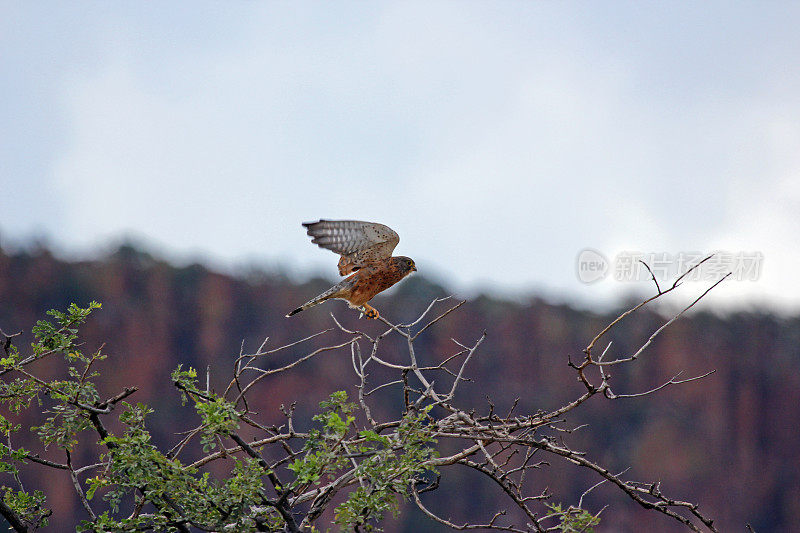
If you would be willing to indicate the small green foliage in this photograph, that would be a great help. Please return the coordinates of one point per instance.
(185, 380)
(10, 359)
(64, 398)
(7, 455)
(219, 419)
(29, 506)
(136, 466)
(338, 414)
(388, 465)
(19, 394)
(219, 416)
(60, 336)
(573, 519)
(323, 458)
(392, 465)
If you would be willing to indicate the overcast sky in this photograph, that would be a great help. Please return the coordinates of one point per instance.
(500, 139)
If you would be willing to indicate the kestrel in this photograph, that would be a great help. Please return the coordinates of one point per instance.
(366, 249)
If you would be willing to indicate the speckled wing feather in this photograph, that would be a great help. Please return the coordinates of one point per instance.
(357, 242)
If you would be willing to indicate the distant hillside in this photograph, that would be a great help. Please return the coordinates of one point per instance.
(729, 442)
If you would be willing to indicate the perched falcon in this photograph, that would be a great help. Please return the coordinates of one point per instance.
(366, 254)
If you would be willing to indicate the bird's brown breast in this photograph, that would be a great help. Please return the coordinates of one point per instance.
(372, 279)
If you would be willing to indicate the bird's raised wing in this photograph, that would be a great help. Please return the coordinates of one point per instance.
(357, 242)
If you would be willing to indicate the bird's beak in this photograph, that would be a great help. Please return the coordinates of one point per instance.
(414, 268)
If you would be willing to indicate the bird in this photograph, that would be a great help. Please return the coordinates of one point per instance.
(366, 259)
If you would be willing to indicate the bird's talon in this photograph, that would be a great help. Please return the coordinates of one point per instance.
(369, 312)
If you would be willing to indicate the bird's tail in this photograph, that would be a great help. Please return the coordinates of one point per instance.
(327, 295)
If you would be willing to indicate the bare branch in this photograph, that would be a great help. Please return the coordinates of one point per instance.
(673, 381)
(78, 489)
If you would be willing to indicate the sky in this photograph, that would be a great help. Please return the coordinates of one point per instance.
(521, 148)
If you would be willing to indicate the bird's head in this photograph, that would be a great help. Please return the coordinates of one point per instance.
(406, 264)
